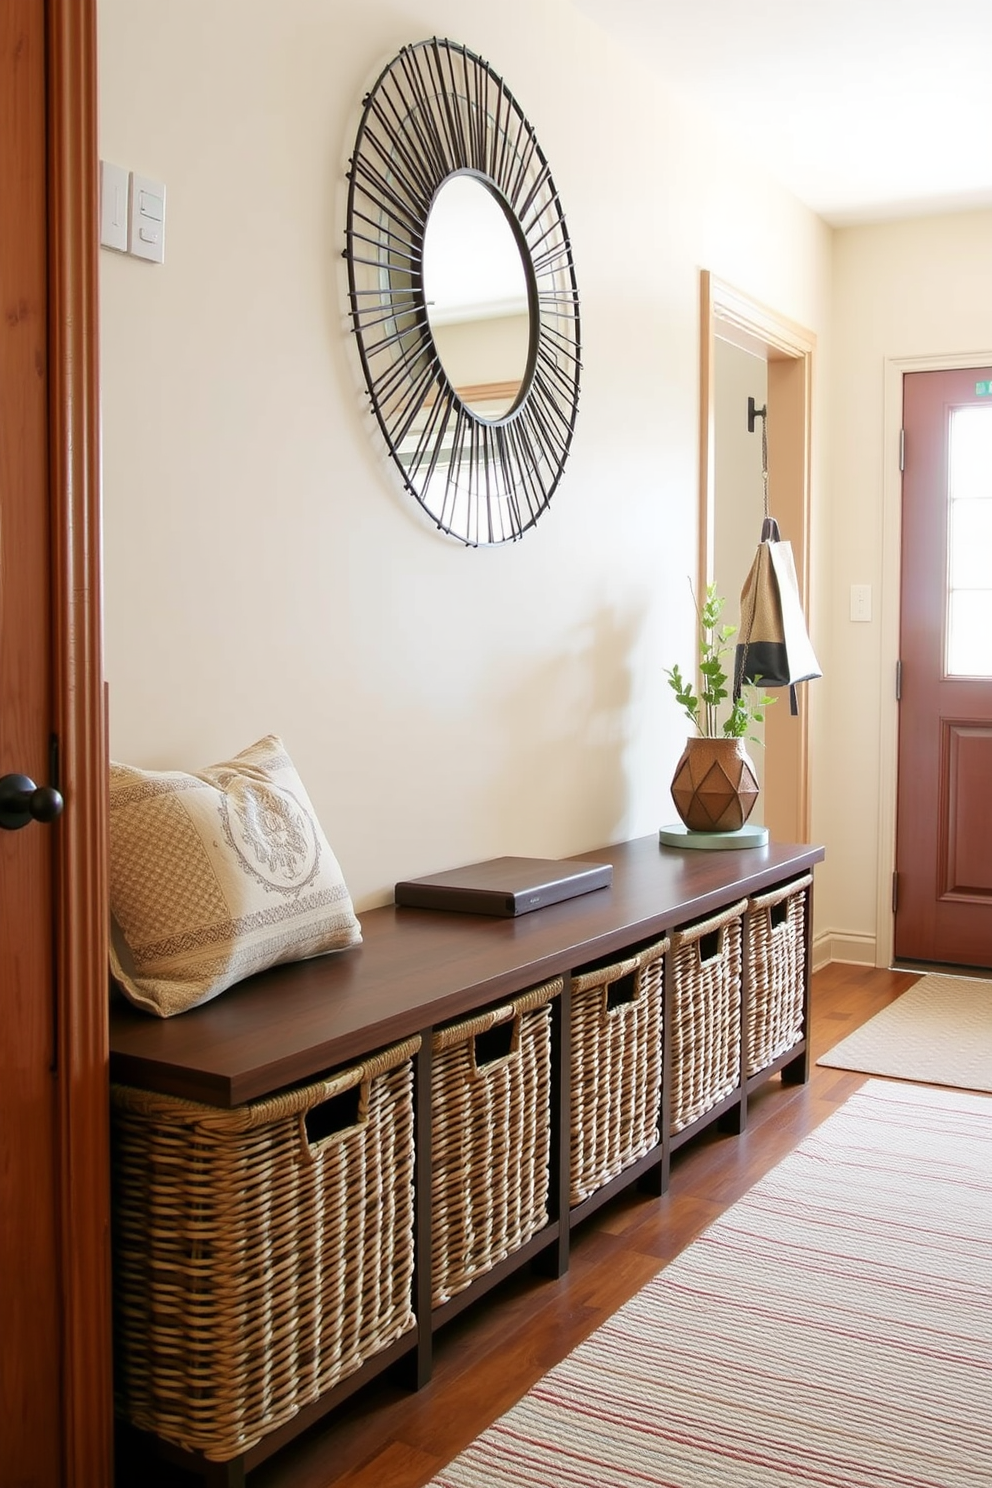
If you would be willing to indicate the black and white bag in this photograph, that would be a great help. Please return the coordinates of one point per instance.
(774, 648)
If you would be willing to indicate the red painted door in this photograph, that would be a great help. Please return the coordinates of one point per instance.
(944, 808)
(30, 1303)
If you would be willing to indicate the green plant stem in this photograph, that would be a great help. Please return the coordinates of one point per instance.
(702, 709)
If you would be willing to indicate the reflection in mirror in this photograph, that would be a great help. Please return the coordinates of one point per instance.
(476, 288)
(481, 444)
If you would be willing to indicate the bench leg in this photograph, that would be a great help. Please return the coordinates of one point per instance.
(797, 1071)
(224, 1474)
(655, 1181)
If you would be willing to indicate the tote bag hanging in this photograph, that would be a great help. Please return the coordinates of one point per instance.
(774, 647)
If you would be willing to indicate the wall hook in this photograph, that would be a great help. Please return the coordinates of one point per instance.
(754, 413)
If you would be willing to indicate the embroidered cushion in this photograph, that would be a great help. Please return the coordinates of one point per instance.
(217, 875)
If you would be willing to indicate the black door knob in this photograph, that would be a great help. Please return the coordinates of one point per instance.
(21, 801)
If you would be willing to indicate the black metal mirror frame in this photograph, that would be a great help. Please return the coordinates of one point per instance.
(436, 111)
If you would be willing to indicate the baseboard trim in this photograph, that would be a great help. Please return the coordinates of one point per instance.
(841, 945)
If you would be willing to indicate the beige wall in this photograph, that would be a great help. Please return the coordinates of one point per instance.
(263, 570)
(907, 295)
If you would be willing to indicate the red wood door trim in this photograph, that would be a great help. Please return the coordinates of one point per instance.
(81, 890)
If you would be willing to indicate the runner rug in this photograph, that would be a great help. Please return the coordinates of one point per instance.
(939, 1032)
(833, 1328)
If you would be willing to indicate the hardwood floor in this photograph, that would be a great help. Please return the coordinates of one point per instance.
(488, 1357)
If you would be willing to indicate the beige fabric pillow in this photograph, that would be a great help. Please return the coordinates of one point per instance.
(218, 875)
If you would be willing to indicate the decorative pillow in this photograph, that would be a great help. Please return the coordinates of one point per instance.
(218, 875)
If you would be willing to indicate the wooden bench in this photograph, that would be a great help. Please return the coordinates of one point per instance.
(418, 969)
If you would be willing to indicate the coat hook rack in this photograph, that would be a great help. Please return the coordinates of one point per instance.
(754, 413)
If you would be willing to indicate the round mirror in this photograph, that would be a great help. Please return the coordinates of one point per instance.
(474, 383)
(477, 292)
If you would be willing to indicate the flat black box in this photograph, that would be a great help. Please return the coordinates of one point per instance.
(505, 886)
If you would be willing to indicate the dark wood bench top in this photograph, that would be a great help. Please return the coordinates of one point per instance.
(420, 967)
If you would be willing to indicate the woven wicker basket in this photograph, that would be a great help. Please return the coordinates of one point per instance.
(490, 1133)
(705, 1014)
(777, 965)
(616, 1066)
(257, 1259)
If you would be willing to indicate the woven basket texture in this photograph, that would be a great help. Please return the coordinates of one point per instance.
(255, 1268)
(777, 972)
(616, 1067)
(490, 1135)
(705, 1014)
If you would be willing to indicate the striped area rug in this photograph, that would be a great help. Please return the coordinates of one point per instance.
(833, 1328)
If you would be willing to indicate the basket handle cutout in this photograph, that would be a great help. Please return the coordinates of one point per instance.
(622, 992)
(778, 914)
(710, 945)
(497, 1044)
(334, 1117)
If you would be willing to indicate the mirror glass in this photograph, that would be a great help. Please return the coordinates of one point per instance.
(475, 285)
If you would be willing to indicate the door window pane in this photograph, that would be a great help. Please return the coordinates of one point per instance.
(971, 453)
(969, 633)
(969, 543)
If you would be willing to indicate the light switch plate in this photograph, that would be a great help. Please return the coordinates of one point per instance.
(860, 602)
(113, 206)
(147, 234)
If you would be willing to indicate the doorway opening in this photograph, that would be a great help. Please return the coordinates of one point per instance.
(785, 351)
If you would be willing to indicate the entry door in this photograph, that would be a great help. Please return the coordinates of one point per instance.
(30, 1394)
(55, 1378)
(944, 808)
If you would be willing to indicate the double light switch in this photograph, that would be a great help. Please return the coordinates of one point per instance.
(132, 213)
(147, 238)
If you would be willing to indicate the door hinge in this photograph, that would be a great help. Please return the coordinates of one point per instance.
(902, 449)
(895, 892)
(899, 681)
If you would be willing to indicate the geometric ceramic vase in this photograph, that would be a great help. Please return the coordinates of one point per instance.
(715, 786)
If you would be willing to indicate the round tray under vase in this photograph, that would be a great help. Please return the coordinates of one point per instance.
(746, 836)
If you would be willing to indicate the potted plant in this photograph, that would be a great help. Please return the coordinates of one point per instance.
(715, 785)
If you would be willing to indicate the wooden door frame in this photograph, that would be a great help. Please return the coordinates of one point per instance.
(889, 610)
(788, 349)
(81, 894)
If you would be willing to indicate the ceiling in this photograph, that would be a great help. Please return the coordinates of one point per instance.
(866, 109)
